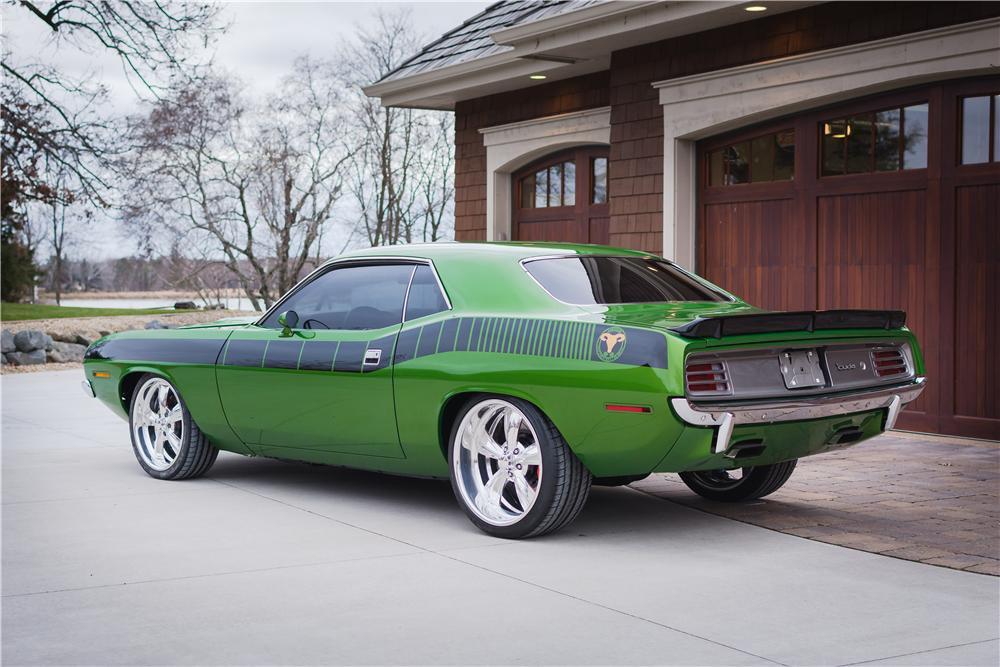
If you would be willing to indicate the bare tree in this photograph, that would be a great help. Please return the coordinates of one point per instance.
(59, 121)
(400, 175)
(253, 186)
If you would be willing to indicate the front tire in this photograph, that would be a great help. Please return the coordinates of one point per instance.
(166, 441)
(738, 485)
(513, 474)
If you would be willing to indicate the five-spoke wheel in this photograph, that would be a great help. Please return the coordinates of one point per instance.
(167, 442)
(511, 471)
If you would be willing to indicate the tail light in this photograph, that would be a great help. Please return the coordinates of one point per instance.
(707, 378)
(889, 362)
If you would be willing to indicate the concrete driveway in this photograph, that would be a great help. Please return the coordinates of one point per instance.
(267, 562)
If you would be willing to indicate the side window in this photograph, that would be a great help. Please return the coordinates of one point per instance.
(425, 295)
(352, 297)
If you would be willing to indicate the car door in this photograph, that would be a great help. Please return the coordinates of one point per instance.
(325, 384)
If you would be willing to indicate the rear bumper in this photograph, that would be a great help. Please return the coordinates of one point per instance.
(726, 416)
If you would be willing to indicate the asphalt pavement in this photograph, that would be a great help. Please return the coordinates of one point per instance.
(267, 562)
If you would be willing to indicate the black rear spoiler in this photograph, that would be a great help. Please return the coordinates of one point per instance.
(807, 320)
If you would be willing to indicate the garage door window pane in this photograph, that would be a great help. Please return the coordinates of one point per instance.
(542, 188)
(716, 172)
(569, 183)
(915, 137)
(834, 142)
(996, 128)
(599, 174)
(737, 159)
(887, 140)
(555, 185)
(784, 155)
(762, 159)
(859, 144)
(528, 192)
(975, 130)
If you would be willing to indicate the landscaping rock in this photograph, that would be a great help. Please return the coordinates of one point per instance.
(26, 358)
(67, 352)
(185, 305)
(8, 342)
(30, 340)
(74, 337)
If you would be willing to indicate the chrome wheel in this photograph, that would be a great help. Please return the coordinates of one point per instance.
(158, 424)
(497, 462)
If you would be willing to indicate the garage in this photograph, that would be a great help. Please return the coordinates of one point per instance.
(869, 204)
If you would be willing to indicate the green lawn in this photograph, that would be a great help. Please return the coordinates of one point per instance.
(10, 312)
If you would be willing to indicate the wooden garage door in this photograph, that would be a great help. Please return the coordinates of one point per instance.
(563, 197)
(886, 202)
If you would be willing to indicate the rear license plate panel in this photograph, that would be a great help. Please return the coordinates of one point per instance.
(801, 369)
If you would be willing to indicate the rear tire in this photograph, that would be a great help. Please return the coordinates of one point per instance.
(513, 474)
(165, 440)
(724, 486)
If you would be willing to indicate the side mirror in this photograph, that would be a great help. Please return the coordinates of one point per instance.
(288, 320)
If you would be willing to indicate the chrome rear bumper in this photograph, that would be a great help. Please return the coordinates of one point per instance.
(726, 416)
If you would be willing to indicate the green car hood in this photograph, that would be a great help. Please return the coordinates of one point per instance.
(227, 322)
(665, 316)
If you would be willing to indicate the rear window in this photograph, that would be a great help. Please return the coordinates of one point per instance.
(610, 280)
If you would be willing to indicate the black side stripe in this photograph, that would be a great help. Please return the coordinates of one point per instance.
(165, 350)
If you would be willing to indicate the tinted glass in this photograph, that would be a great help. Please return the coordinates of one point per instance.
(915, 137)
(716, 170)
(834, 141)
(784, 155)
(610, 280)
(975, 130)
(528, 191)
(353, 297)
(737, 160)
(425, 296)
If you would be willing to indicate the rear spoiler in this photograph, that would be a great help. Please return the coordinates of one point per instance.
(807, 320)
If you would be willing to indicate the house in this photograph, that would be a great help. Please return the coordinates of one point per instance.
(804, 155)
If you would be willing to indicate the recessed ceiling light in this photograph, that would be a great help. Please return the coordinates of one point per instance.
(537, 77)
(756, 8)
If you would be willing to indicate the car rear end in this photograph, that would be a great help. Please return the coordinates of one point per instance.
(763, 388)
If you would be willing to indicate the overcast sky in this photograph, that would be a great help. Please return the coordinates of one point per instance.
(262, 41)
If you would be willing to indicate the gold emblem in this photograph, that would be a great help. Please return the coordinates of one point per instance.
(611, 344)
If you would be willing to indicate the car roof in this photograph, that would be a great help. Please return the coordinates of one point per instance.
(507, 250)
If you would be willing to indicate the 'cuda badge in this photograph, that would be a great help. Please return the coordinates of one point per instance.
(611, 344)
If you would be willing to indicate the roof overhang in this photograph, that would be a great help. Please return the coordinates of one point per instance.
(564, 46)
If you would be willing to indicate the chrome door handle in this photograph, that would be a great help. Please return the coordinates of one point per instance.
(372, 357)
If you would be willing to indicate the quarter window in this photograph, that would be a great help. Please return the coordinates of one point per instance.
(980, 129)
(425, 296)
(763, 159)
(887, 140)
(350, 297)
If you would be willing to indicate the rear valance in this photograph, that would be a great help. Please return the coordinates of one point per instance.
(809, 320)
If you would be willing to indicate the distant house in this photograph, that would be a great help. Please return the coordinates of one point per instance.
(803, 155)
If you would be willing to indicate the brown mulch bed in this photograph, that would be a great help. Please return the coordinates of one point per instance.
(930, 499)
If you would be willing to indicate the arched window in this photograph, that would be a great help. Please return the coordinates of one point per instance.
(563, 197)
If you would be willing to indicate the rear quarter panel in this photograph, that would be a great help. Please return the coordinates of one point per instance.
(555, 369)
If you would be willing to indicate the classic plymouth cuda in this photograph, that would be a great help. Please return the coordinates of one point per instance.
(524, 373)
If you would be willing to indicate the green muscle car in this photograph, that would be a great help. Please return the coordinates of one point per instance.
(524, 373)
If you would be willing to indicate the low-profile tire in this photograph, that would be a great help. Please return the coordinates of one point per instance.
(618, 481)
(165, 440)
(513, 474)
(735, 486)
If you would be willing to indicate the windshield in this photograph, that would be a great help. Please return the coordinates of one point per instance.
(610, 280)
